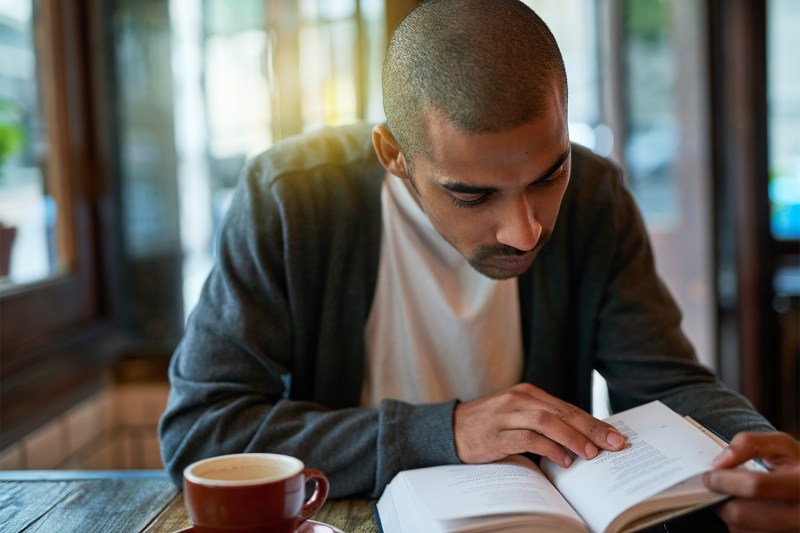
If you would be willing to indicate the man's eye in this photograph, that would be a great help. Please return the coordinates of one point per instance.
(555, 177)
(469, 200)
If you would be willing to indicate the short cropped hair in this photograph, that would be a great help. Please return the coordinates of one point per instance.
(486, 65)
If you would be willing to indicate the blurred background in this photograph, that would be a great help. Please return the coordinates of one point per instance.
(124, 125)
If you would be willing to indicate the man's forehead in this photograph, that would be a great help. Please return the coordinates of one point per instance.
(493, 180)
(449, 149)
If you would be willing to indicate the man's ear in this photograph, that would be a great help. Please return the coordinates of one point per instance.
(388, 151)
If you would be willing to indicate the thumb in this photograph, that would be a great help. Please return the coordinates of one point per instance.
(774, 448)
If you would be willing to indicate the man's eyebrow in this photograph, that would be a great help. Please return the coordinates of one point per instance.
(457, 187)
(467, 189)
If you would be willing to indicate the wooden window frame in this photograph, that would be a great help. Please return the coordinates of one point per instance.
(57, 336)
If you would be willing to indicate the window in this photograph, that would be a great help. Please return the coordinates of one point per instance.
(653, 133)
(54, 308)
(783, 83)
(248, 73)
(574, 25)
(28, 184)
(783, 122)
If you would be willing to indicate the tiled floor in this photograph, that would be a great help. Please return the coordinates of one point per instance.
(114, 429)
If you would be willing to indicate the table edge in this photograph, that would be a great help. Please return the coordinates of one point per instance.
(69, 475)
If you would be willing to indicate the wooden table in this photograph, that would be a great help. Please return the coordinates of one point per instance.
(122, 501)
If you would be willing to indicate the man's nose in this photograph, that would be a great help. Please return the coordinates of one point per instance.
(518, 226)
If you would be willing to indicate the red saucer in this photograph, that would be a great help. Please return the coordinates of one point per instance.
(309, 526)
(312, 526)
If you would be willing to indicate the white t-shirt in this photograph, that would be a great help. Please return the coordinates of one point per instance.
(437, 329)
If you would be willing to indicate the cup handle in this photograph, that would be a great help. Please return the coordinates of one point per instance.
(319, 495)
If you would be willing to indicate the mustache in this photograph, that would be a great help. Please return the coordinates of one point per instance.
(504, 250)
(485, 252)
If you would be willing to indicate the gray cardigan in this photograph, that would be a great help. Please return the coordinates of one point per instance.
(272, 359)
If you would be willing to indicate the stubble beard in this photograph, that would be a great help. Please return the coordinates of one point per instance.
(482, 259)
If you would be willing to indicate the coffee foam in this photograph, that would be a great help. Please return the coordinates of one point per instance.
(244, 472)
(244, 469)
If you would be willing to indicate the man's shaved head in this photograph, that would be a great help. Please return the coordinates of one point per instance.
(486, 65)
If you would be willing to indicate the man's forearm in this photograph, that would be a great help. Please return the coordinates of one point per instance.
(359, 449)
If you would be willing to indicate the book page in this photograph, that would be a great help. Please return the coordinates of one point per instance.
(662, 450)
(515, 485)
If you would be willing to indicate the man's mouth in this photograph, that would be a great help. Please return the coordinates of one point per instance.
(504, 266)
(502, 262)
(513, 261)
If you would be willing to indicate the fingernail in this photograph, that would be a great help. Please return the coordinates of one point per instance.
(721, 458)
(615, 440)
(591, 450)
(567, 461)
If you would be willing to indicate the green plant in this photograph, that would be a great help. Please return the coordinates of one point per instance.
(12, 136)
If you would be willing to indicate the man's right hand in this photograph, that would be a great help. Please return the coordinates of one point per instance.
(524, 419)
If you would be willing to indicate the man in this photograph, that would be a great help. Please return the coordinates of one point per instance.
(440, 291)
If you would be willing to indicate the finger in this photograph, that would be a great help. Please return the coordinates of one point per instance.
(783, 485)
(544, 422)
(753, 515)
(491, 428)
(776, 448)
(602, 434)
(515, 441)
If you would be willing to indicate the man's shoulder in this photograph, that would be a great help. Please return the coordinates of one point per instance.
(331, 150)
(595, 196)
(595, 182)
(591, 169)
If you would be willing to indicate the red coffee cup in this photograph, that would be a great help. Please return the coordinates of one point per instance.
(251, 492)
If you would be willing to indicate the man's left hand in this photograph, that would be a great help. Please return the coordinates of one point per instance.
(763, 501)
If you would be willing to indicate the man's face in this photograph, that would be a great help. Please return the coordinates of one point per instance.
(494, 197)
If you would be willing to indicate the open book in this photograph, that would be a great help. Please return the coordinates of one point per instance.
(655, 477)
